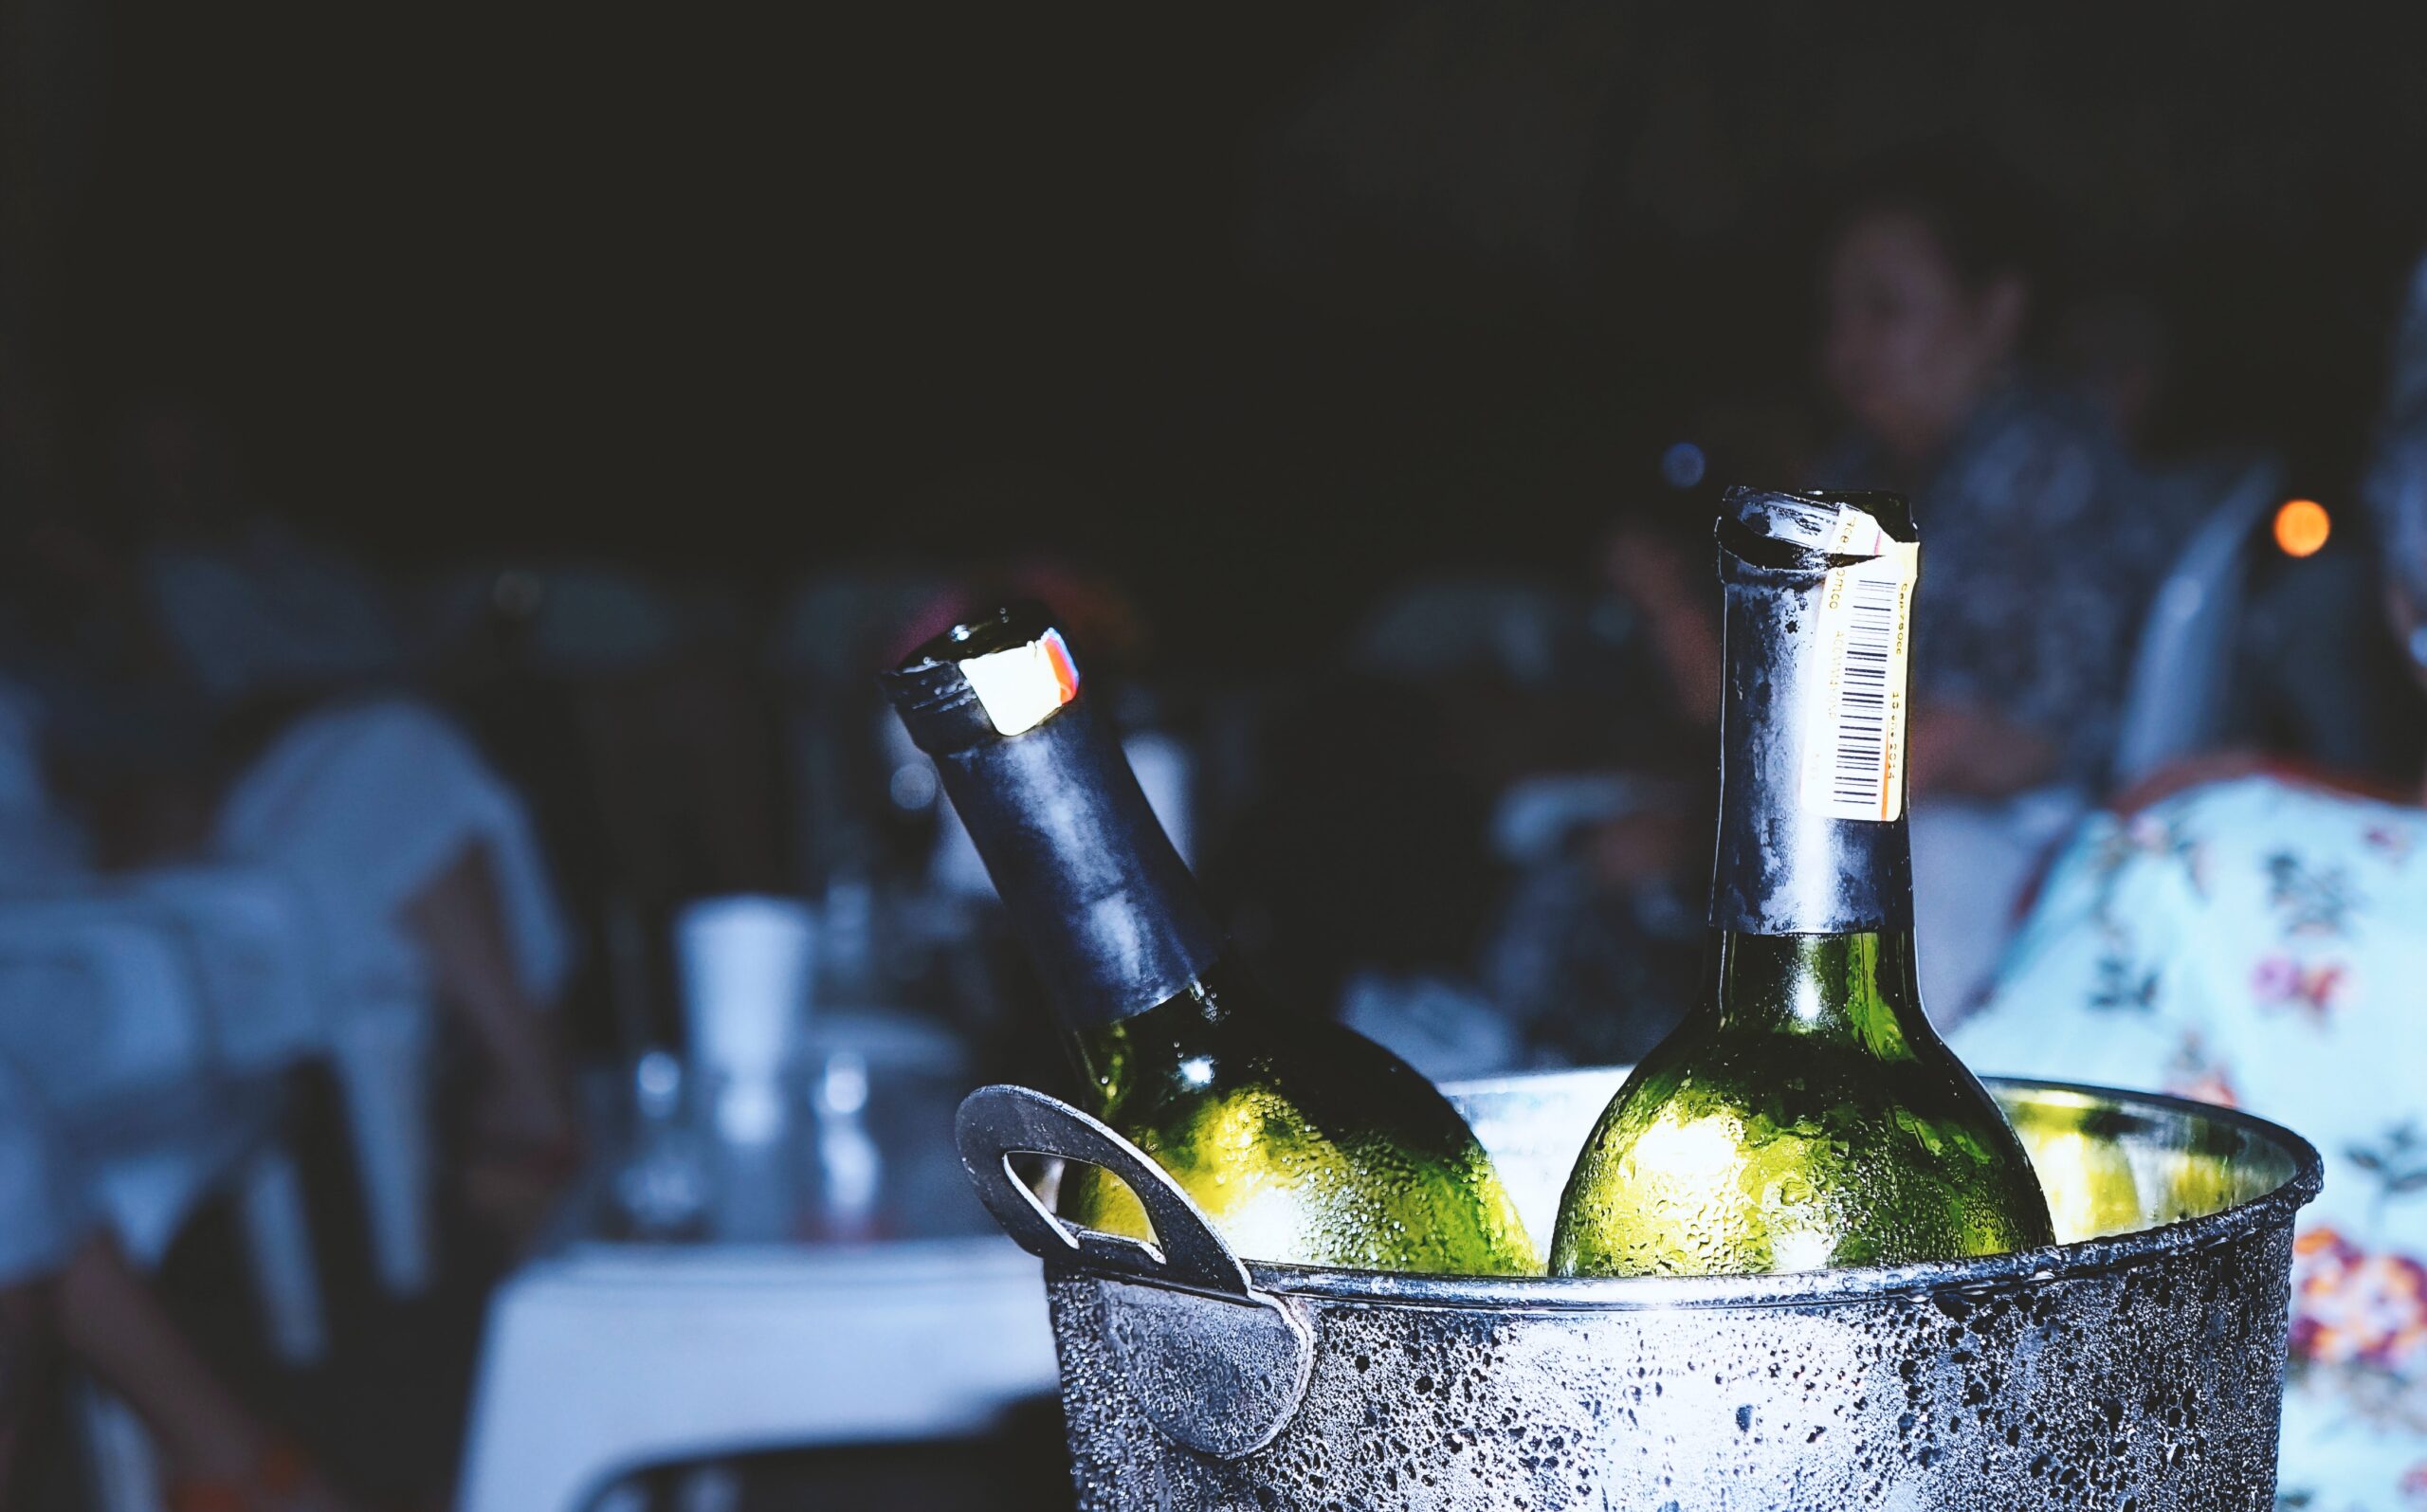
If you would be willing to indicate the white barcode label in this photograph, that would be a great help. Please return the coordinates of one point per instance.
(1854, 764)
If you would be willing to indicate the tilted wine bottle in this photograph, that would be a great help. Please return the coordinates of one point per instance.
(1805, 1114)
(1301, 1141)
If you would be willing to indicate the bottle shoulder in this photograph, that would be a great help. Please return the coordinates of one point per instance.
(1328, 1083)
(1769, 1086)
(1316, 1146)
(1759, 1152)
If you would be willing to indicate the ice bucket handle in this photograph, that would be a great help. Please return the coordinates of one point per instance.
(996, 1122)
(1215, 1364)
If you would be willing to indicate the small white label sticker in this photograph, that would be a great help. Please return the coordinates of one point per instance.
(1809, 525)
(1853, 763)
(1019, 687)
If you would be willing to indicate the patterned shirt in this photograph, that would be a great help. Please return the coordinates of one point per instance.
(2037, 564)
(2263, 944)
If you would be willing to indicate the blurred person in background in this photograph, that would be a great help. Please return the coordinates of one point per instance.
(2258, 940)
(2040, 552)
(66, 1285)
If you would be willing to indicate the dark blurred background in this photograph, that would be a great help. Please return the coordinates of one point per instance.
(1288, 298)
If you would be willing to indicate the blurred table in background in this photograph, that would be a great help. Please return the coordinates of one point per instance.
(608, 1356)
(611, 1359)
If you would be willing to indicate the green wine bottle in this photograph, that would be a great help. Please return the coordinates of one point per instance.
(1805, 1114)
(1302, 1141)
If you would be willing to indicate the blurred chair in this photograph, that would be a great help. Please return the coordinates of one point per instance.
(155, 1006)
(273, 1004)
(251, 953)
(125, 1467)
(270, 1004)
(143, 998)
(104, 1006)
(2174, 704)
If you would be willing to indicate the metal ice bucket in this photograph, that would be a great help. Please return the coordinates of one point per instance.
(2139, 1371)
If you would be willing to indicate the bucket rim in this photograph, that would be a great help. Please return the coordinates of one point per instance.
(1845, 1284)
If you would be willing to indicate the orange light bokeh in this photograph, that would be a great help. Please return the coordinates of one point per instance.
(2302, 526)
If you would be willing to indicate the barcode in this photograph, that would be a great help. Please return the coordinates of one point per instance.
(1858, 777)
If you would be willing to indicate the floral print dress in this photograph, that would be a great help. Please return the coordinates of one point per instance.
(2263, 944)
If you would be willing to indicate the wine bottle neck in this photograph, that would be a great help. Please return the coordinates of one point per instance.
(1183, 1040)
(1812, 836)
(1859, 987)
(1106, 908)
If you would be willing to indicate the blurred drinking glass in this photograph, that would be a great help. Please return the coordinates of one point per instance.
(747, 963)
(850, 1167)
(663, 1188)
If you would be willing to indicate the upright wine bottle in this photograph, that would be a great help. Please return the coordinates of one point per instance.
(1302, 1141)
(1805, 1114)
